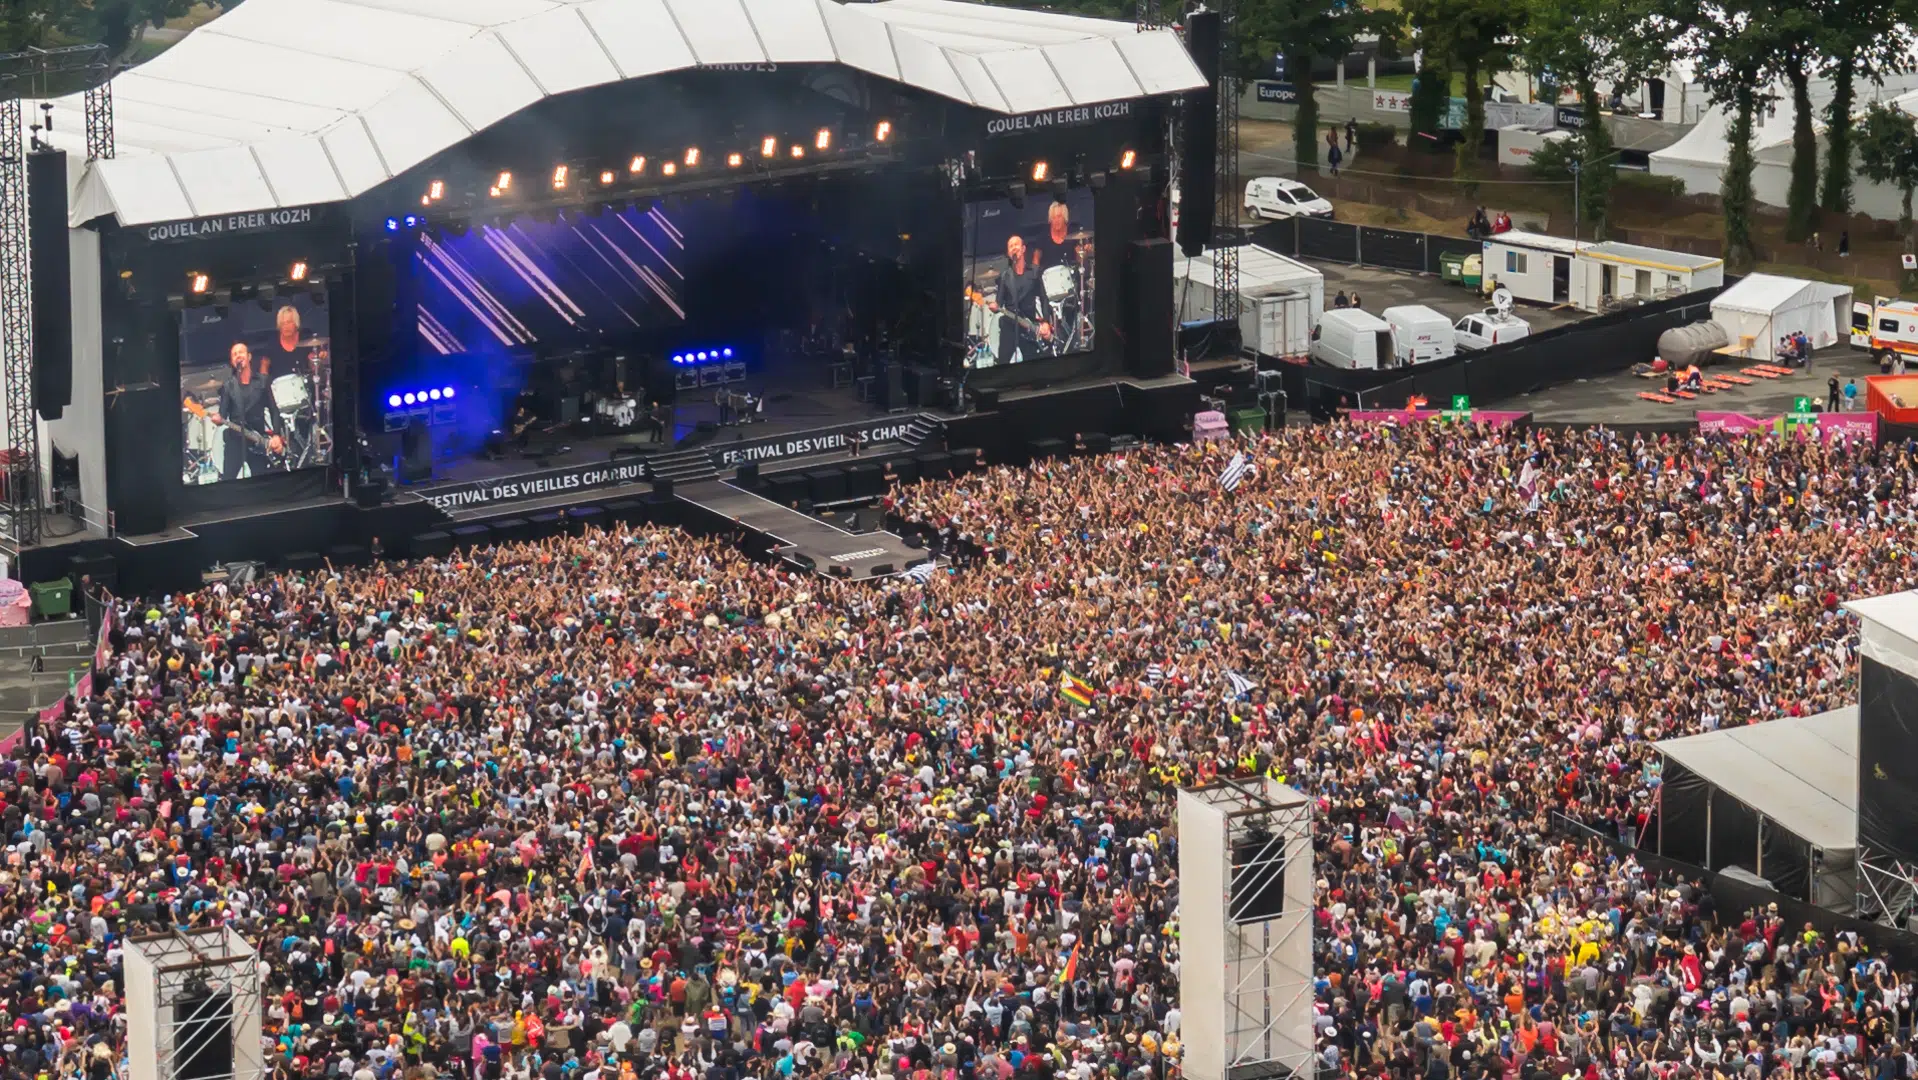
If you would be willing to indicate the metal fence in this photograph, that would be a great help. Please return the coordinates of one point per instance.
(1361, 245)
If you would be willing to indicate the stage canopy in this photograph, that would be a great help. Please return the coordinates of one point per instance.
(283, 103)
(1777, 799)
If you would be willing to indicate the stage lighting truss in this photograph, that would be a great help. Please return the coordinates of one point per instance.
(694, 368)
(433, 404)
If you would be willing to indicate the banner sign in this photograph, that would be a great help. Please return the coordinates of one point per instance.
(258, 221)
(823, 441)
(1488, 417)
(1828, 425)
(1073, 116)
(579, 478)
(1277, 93)
(1570, 116)
(1391, 101)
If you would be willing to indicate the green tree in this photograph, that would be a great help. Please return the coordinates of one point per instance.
(1860, 40)
(1472, 37)
(1888, 154)
(1431, 94)
(1304, 31)
(1736, 46)
(1580, 45)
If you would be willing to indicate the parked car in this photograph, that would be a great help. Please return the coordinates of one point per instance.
(1488, 328)
(1275, 197)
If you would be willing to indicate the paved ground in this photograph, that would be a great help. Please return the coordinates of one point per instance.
(1614, 399)
(1381, 289)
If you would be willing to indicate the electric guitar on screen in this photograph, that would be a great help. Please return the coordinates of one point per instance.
(264, 442)
(1031, 326)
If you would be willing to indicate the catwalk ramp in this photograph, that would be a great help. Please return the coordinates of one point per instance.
(806, 538)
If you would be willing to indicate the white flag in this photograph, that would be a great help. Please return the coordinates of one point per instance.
(923, 572)
(1235, 471)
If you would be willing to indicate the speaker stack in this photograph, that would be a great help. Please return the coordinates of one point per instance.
(1199, 126)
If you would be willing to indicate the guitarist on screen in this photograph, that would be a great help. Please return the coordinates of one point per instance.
(1021, 294)
(246, 400)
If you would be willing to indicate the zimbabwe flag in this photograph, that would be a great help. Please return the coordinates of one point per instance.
(1076, 690)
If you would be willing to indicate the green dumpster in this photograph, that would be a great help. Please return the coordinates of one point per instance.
(51, 598)
(1246, 420)
(1452, 267)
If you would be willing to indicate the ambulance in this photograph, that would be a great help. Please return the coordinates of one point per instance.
(1885, 326)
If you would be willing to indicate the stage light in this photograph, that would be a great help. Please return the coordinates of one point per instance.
(393, 401)
(768, 146)
(448, 393)
(734, 159)
(606, 177)
(432, 395)
(692, 156)
(494, 192)
(1040, 170)
(425, 200)
(412, 220)
(298, 273)
(883, 131)
(436, 189)
(392, 224)
(1128, 159)
(798, 151)
(504, 183)
(823, 140)
(728, 353)
(669, 168)
(560, 172)
(637, 166)
(702, 355)
(198, 282)
(409, 398)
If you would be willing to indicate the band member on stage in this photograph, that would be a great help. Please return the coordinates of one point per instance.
(1021, 294)
(286, 356)
(246, 400)
(1053, 249)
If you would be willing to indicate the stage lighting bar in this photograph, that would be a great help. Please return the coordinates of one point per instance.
(735, 159)
(436, 190)
(692, 156)
(1040, 170)
(669, 168)
(298, 273)
(696, 357)
(823, 140)
(560, 175)
(798, 151)
(883, 131)
(504, 182)
(1128, 159)
(637, 165)
(769, 146)
(198, 283)
(606, 177)
(413, 399)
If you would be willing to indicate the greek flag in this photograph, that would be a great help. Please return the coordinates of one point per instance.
(1154, 674)
(923, 572)
(1241, 685)
(1235, 471)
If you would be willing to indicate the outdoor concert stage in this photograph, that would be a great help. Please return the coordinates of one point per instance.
(373, 257)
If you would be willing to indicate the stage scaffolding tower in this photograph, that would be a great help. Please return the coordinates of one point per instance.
(33, 73)
(1225, 229)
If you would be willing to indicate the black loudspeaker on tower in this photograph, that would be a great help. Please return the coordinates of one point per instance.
(52, 282)
(1199, 130)
(1147, 288)
(203, 1036)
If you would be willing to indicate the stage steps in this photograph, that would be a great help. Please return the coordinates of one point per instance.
(926, 428)
(687, 466)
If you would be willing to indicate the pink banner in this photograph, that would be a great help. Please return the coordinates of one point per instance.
(1829, 425)
(82, 688)
(1489, 417)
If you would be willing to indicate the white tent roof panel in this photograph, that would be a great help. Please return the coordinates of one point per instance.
(1800, 772)
(1761, 294)
(375, 86)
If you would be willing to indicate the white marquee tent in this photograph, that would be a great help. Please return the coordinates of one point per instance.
(284, 103)
(1698, 159)
(1765, 308)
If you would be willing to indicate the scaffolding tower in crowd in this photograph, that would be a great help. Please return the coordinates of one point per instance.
(194, 1002)
(1245, 930)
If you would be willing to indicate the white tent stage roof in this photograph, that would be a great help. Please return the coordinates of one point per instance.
(283, 103)
(1799, 772)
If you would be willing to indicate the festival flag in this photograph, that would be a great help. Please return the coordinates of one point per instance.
(1072, 966)
(1076, 690)
(1241, 686)
(585, 862)
(1154, 674)
(1235, 471)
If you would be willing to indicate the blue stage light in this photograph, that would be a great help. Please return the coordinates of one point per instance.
(448, 393)
(433, 395)
(702, 355)
(392, 224)
(410, 399)
(393, 401)
(412, 220)
(728, 354)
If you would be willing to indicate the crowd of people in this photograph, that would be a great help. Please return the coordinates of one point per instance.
(628, 804)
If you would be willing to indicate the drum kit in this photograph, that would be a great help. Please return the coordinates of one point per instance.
(309, 436)
(1067, 304)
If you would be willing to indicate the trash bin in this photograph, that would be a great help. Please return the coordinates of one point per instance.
(1452, 267)
(52, 598)
(1471, 273)
(1245, 420)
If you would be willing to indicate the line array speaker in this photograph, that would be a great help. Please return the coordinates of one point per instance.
(1147, 288)
(52, 282)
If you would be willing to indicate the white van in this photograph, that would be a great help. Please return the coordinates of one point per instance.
(1488, 328)
(1419, 334)
(1351, 338)
(1278, 197)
